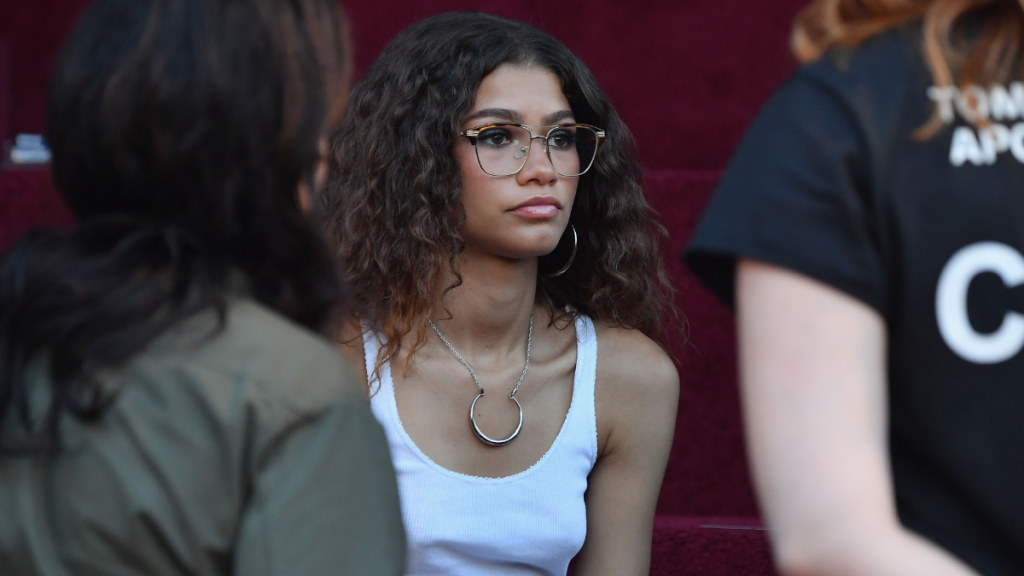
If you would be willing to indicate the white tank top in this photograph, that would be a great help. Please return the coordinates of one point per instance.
(533, 522)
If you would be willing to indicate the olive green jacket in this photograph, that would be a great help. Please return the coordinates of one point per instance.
(247, 451)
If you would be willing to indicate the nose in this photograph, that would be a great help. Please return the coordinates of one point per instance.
(538, 167)
(525, 148)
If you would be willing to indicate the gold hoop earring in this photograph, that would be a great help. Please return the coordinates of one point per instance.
(563, 269)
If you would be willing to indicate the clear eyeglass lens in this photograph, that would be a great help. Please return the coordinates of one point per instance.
(572, 149)
(503, 150)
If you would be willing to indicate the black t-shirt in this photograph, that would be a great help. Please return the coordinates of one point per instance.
(830, 182)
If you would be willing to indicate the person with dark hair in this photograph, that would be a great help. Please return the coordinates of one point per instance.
(870, 231)
(487, 207)
(167, 403)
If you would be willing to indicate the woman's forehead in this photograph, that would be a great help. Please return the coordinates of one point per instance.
(528, 91)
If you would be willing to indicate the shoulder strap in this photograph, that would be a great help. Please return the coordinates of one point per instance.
(586, 379)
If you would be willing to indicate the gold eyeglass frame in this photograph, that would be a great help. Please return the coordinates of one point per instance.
(473, 133)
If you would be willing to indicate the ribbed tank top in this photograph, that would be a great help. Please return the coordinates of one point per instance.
(533, 522)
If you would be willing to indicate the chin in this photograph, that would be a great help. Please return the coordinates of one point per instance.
(519, 249)
(516, 242)
(526, 252)
(536, 245)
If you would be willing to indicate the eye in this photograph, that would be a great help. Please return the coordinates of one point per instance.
(562, 138)
(495, 138)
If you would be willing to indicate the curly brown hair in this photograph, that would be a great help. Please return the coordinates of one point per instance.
(393, 200)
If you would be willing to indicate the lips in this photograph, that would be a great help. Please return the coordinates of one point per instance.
(538, 207)
(540, 201)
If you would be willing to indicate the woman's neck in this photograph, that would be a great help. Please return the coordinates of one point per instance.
(490, 310)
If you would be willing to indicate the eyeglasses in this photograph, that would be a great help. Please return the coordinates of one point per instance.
(502, 149)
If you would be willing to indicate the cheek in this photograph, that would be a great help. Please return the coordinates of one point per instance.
(476, 188)
(468, 167)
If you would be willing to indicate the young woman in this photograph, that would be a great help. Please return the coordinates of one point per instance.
(166, 405)
(873, 225)
(504, 266)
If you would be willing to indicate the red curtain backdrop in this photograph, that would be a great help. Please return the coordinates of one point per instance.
(687, 76)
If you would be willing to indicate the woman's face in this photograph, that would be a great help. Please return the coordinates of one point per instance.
(523, 215)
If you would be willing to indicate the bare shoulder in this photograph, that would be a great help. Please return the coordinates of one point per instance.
(631, 363)
(637, 389)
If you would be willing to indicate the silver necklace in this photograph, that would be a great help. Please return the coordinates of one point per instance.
(512, 395)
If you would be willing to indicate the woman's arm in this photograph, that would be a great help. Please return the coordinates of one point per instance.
(812, 367)
(637, 392)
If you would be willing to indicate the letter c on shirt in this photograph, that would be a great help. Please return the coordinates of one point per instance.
(951, 303)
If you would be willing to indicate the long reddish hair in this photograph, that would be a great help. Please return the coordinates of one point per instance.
(994, 57)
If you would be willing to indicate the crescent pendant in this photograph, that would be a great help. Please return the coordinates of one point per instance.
(486, 439)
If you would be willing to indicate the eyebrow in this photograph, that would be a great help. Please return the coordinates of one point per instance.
(499, 113)
(557, 117)
(514, 116)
